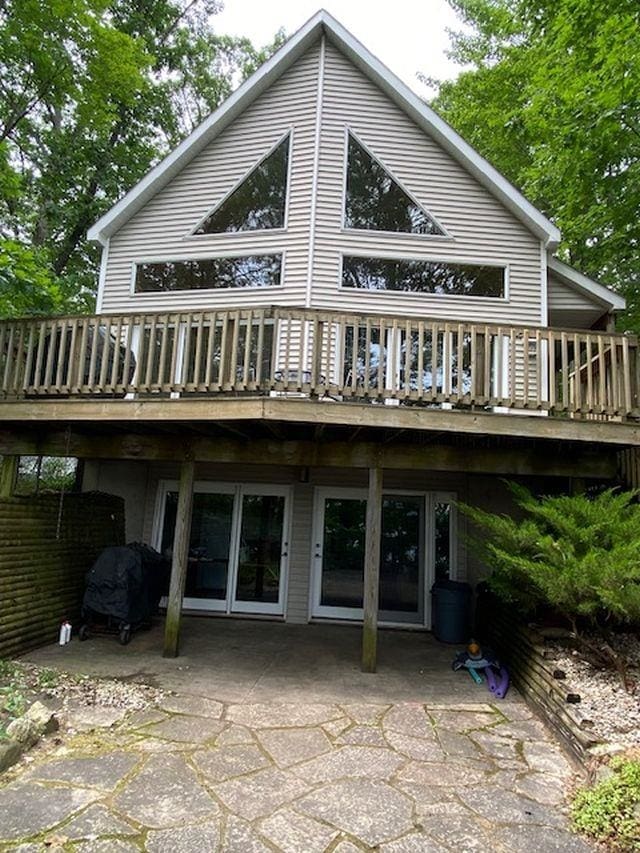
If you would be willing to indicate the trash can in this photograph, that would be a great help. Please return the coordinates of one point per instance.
(451, 611)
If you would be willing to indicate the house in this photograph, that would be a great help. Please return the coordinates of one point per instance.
(322, 320)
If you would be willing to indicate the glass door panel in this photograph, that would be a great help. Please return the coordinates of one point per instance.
(340, 546)
(402, 559)
(343, 553)
(260, 551)
(209, 545)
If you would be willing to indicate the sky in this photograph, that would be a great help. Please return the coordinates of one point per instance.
(409, 36)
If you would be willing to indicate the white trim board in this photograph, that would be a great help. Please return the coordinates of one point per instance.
(323, 23)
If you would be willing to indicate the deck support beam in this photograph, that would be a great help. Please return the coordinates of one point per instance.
(179, 560)
(8, 475)
(372, 571)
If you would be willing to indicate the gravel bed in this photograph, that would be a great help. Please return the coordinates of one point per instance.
(615, 713)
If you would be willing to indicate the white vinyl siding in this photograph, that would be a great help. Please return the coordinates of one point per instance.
(570, 308)
(160, 230)
(481, 230)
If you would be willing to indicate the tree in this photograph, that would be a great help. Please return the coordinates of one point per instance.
(92, 94)
(552, 99)
(578, 554)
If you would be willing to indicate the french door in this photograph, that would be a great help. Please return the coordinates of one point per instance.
(417, 545)
(238, 550)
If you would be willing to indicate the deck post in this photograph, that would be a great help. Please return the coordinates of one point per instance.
(372, 571)
(8, 475)
(179, 560)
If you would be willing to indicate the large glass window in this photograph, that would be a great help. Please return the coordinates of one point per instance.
(209, 274)
(258, 201)
(376, 202)
(412, 276)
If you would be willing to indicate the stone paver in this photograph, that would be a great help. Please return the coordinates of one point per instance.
(227, 762)
(199, 775)
(31, 808)
(96, 821)
(100, 771)
(388, 813)
(291, 746)
(166, 793)
(186, 839)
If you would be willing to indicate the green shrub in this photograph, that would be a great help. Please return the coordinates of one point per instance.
(578, 554)
(609, 811)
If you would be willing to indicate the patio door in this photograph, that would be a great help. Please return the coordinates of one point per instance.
(338, 556)
(238, 550)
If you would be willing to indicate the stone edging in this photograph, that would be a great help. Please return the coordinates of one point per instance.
(24, 732)
(523, 651)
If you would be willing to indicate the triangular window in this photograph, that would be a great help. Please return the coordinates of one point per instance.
(375, 201)
(258, 201)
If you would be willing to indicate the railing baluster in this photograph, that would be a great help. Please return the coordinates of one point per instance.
(577, 360)
(26, 379)
(247, 350)
(627, 404)
(67, 381)
(589, 404)
(526, 368)
(48, 371)
(420, 365)
(123, 385)
(257, 377)
(602, 377)
(197, 363)
(615, 395)
(366, 383)
(564, 366)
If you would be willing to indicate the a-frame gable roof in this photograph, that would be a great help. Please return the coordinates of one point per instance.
(423, 116)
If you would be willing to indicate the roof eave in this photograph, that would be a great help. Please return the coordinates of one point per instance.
(211, 127)
(429, 121)
(597, 292)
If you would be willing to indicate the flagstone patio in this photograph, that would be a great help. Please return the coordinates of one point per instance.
(275, 741)
(300, 778)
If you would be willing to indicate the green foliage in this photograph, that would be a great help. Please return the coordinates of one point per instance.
(608, 811)
(13, 700)
(45, 474)
(552, 100)
(93, 93)
(578, 554)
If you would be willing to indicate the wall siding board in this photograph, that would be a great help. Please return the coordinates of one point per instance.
(159, 231)
(480, 229)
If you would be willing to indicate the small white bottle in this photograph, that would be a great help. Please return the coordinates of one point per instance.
(65, 633)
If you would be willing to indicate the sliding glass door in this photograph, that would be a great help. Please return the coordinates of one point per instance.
(238, 549)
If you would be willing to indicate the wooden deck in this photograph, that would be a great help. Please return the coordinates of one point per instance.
(360, 369)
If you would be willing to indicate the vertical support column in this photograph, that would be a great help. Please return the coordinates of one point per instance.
(372, 571)
(8, 475)
(179, 561)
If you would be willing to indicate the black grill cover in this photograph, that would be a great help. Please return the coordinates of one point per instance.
(126, 583)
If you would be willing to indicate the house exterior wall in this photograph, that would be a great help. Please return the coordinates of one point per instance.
(318, 99)
(481, 230)
(160, 230)
(141, 499)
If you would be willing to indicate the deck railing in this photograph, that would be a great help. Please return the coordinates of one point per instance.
(391, 359)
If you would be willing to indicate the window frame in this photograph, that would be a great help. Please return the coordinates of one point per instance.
(230, 254)
(490, 300)
(345, 229)
(192, 235)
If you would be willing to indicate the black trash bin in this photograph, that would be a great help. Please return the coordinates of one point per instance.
(451, 611)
